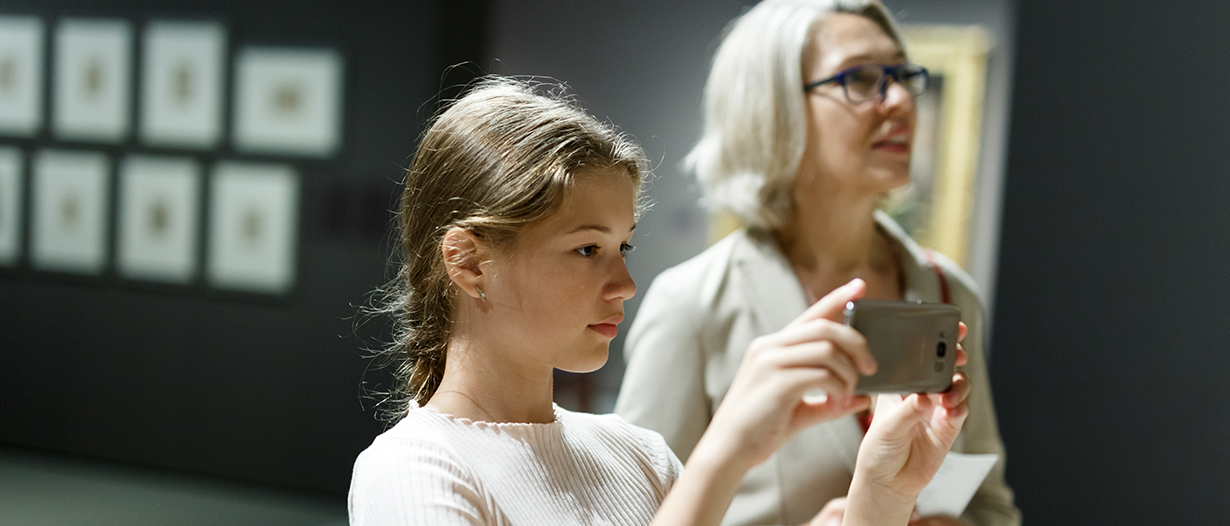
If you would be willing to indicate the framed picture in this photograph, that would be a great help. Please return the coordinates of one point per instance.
(935, 208)
(21, 75)
(93, 60)
(288, 101)
(253, 227)
(159, 218)
(10, 205)
(71, 196)
(181, 88)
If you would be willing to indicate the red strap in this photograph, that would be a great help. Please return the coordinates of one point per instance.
(864, 420)
(939, 275)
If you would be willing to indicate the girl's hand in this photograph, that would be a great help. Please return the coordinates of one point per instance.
(764, 405)
(910, 436)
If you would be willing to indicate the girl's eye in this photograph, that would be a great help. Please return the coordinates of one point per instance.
(625, 248)
(587, 250)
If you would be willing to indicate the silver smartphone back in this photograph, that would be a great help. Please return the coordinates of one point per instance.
(915, 344)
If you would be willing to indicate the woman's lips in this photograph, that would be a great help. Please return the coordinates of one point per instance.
(892, 146)
(606, 329)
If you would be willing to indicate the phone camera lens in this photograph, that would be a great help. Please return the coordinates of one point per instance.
(941, 349)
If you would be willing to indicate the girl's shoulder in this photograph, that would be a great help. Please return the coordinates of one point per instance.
(612, 435)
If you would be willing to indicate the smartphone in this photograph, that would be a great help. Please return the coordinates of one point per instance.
(915, 344)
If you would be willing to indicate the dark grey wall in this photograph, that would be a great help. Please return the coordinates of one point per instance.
(262, 389)
(1110, 338)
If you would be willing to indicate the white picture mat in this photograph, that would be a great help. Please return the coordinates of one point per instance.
(253, 227)
(159, 220)
(288, 100)
(182, 82)
(70, 202)
(21, 75)
(93, 69)
(10, 205)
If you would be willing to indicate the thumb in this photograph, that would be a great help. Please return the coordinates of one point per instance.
(832, 306)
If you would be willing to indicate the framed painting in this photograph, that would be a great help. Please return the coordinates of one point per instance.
(93, 60)
(935, 208)
(182, 83)
(158, 218)
(70, 200)
(288, 101)
(10, 205)
(253, 227)
(21, 76)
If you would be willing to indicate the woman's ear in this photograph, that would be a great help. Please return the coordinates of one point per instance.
(463, 254)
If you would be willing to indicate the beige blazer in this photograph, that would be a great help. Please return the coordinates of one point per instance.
(688, 339)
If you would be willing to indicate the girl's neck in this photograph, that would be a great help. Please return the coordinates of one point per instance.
(829, 243)
(480, 385)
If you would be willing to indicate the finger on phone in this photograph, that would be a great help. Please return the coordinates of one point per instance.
(958, 392)
(833, 305)
(820, 355)
(847, 340)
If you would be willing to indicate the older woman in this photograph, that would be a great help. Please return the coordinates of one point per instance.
(809, 119)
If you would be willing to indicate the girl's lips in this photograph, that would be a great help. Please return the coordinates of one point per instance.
(606, 329)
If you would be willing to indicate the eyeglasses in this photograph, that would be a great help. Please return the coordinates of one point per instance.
(870, 81)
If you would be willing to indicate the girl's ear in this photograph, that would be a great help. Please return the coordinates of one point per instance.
(463, 254)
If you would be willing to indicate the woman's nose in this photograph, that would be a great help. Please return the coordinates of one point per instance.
(896, 96)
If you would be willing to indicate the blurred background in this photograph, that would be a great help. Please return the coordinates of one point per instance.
(1095, 225)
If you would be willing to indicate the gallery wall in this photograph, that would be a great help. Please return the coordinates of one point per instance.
(260, 379)
(1110, 338)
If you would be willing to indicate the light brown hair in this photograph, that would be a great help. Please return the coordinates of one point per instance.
(499, 159)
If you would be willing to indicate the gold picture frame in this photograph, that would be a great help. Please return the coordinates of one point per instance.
(956, 57)
(936, 207)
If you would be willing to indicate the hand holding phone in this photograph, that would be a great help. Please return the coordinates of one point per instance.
(915, 344)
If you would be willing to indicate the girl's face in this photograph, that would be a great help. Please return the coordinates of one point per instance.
(557, 294)
(864, 147)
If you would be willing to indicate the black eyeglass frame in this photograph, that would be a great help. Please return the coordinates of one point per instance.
(893, 72)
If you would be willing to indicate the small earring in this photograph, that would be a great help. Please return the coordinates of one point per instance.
(481, 295)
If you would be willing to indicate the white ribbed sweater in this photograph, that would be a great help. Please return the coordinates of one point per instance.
(436, 469)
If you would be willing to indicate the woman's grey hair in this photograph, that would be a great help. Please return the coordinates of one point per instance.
(755, 114)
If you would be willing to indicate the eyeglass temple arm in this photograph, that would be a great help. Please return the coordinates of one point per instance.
(818, 83)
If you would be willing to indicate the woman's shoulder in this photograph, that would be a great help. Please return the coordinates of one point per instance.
(706, 278)
(715, 259)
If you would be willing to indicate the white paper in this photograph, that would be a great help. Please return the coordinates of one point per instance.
(10, 205)
(253, 226)
(92, 72)
(21, 75)
(954, 484)
(158, 218)
(70, 211)
(181, 88)
(288, 101)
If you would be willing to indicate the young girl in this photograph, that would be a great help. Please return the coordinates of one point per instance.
(515, 220)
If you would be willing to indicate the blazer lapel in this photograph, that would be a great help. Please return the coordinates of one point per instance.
(774, 293)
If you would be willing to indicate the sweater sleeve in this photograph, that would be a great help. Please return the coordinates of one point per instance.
(404, 482)
(663, 387)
